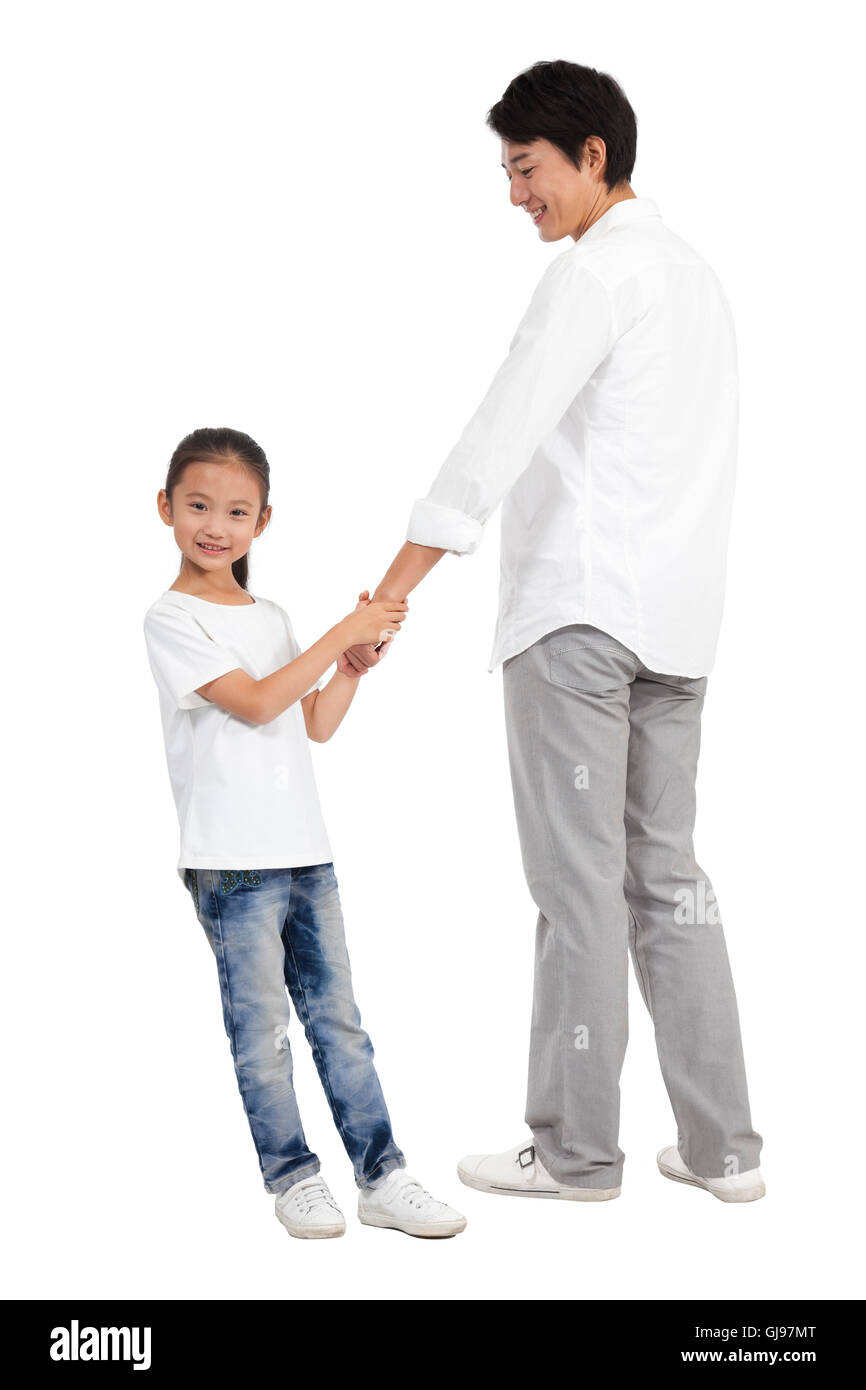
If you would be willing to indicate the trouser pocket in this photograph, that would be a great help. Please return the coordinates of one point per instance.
(592, 662)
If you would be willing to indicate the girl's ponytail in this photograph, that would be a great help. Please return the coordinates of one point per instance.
(241, 570)
(232, 446)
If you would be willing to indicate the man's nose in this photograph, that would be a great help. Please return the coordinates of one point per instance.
(516, 193)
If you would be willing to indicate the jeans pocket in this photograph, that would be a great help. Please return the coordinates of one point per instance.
(230, 879)
(591, 664)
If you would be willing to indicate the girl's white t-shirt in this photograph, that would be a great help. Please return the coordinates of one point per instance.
(245, 793)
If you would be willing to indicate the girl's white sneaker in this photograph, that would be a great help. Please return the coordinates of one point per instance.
(742, 1187)
(307, 1210)
(519, 1172)
(400, 1203)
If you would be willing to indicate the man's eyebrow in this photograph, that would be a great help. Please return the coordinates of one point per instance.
(236, 501)
(524, 154)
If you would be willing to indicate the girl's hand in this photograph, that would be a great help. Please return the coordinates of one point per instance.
(371, 621)
(343, 662)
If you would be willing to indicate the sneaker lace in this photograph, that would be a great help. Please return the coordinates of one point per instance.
(417, 1196)
(315, 1193)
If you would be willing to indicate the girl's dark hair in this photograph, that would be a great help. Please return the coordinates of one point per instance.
(226, 445)
(565, 103)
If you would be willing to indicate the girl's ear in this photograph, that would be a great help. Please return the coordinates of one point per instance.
(263, 521)
(163, 503)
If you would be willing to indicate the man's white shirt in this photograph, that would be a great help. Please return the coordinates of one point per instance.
(609, 434)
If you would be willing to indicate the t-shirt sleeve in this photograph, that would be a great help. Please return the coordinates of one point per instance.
(296, 649)
(183, 656)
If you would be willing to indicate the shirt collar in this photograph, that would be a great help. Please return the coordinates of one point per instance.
(627, 210)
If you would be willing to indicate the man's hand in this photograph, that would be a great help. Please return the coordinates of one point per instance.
(359, 659)
(345, 665)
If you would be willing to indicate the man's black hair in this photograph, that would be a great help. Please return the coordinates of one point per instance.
(564, 103)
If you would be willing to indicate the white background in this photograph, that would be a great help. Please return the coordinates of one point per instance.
(295, 223)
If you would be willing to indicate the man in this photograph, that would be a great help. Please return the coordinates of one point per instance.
(609, 434)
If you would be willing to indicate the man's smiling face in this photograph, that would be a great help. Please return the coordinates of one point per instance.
(561, 199)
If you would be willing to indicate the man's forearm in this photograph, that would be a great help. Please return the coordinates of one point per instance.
(408, 568)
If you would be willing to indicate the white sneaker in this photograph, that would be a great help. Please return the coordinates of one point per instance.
(308, 1210)
(519, 1173)
(742, 1187)
(400, 1203)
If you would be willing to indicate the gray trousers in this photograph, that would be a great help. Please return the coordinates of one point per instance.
(603, 755)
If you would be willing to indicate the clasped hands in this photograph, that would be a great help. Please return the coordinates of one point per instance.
(379, 624)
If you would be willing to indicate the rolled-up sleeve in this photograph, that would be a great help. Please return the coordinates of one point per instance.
(565, 334)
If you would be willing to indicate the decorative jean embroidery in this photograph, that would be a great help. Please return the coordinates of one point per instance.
(230, 878)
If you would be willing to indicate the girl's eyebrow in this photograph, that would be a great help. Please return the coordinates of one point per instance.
(237, 501)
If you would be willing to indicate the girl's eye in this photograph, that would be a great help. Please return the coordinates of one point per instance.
(236, 511)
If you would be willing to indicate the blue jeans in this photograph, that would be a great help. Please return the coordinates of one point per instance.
(272, 928)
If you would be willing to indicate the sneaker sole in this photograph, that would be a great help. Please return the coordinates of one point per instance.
(563, 1194)
(748, 1194)
(432, 1231)
(312, 1232)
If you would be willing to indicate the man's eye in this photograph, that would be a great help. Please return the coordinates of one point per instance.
(526, 172)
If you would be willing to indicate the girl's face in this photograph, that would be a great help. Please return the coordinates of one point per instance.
(216, 513)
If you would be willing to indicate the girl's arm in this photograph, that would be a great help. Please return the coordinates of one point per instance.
(325, 709)
(260, 701)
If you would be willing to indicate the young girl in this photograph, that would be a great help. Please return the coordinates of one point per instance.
(239, 701)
